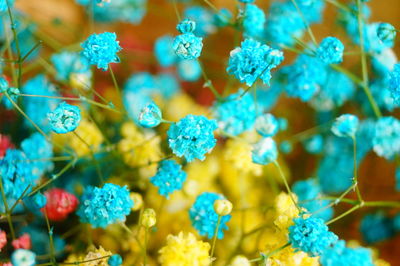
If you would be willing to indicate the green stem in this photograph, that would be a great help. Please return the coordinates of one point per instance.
(356, 207)
(8, 214)
(263, 257)
(208, 83)
(286, 184)
(31, 51)
(310, 33)
(50, 230)
(146, 232)
(114, 80)
(14, 31)
(176, 10)
(214, 241)
(355, 177)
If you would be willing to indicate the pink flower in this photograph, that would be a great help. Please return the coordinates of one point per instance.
(23, 242)
(3, 239)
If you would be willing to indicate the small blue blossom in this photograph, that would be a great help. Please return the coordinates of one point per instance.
(186, 26)
(311, 235)
(253, 60)
(267, 125)
(101, 49)
(286, 147)
(23, 257)
(35, 202)
(386, 34)
(115, 260)
(307, 192)
(187, 46)
(104, 206)
(204, 218)
(189, 70)
(164, 52)
(65, 118)
(314, 145)
(68, 63)
(4, 5)
(330, 50)
(386, 140)
(340, 255)
(384, 62)
(12, 93)
(253, 21)
(39, 107)
(169, 178)
(150, 116)
(345, 125)
(394, 83)
(204, 19)
(236, 113)
(264, 151)
(192, 137)
(167, 84)
(376, 227)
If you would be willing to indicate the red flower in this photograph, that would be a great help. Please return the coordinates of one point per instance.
(3, 239)
(23, 242)
(5, 144)
(59, 204)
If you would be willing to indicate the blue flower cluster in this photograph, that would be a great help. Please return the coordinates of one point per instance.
(340, 255)
(104, 206)
(236, 113)
(314, 145)
(204, 19)
(192, 137)
(169, 178)
(253, 21)
(307, 192)
(39, 107)
(267, 125)
(394, 83)
(69, 63)
(11, 91)
(187, 46)
(186, 26)
(204, 218)
(376, 227)
(150, 116)
(4, 5)
(101, 49)
(164, 52)
(345, 126)
(253, 60)
(386, 141)
(330, 50)
(23, 257)
(65, 118)
(311, 235)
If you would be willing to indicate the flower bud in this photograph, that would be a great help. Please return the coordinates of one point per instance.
(222, 207)
(148, 218)
(240, 260)
(137, 201)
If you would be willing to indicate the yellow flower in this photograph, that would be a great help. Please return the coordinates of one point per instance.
(289, 257)
(181, 105)
(184, 250)
(94, 255)
(286, 211)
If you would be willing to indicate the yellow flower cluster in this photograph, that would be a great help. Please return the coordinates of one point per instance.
(184, 250)
(94, 257)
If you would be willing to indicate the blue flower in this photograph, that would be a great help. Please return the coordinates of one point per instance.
(150, 116)
(204, 218)
(311, 235)
(38, 107)
(65, 118)
(253, 21)
(167, 85)
(264, 151)
(340, 255)
(189, 70)
(394, 83)
(115, 260)
(204, 20)
(304, 77)
(286, 147)
(345, 125)
(386, 140)
(192, 137)
(267, 125)
(169, 177)
(376, 227)
(101, 49)
(186, 26)
(330, 50)
(4, 5)
(386, 34)
(104, 206)
(307, 192)
(23, 257)
(236, 113)
(253, 60)
(35, 202)
(314, 145)
(164, 52)
(187, 46)
(36, 148)
(11, 91)
(68, 63)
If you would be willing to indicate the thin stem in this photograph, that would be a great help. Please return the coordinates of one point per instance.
(263, 257)
(146, 232)
(345, 213)
(214, 241)
(305, 22)
(115, 81)
(31, 51)
(208, 83)
(286, 184)
(50, 230)
(85, 261)
(176, 10)
(19, 198)
(355, 177)
(14, 31)
(8, 214)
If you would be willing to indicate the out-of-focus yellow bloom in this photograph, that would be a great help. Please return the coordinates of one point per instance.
(148, 218)
(286, 211)
(138, 149)
(238, 154)
(184, 250)
(137, 201)
(90, 135)
(94, 256)
(381, 262)
(240, 260)
(289, 257)
(223, 207)
(181, 105)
